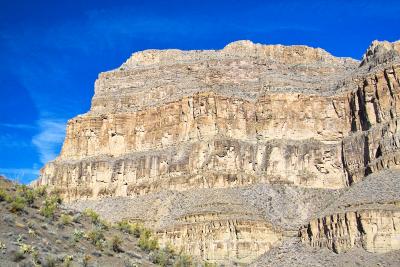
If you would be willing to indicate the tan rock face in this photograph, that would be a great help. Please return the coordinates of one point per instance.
(244, 115)
(220, 142)
(374, 141)
(374, 230)
(305, 140)
(221, 241)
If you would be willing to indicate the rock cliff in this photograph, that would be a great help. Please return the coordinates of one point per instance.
(245, 126)
(365, 215)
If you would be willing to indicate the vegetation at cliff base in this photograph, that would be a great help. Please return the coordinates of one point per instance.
(38, 230)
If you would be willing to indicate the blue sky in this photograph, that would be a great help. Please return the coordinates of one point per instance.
(52, 51)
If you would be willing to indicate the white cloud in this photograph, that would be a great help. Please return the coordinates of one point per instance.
(49, 139)
(17, 126)
(19, 171)
(20, 174)
(10, 141)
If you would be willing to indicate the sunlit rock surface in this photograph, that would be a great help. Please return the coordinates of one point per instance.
(297, 122)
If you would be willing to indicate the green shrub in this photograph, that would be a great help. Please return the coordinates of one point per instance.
(2, 246)
(160, 257)
(50, 205)
(103, 225)
(26, 249)
(129, 228)
(32, 232)
(146, 242)
(35, 256)
(124, 226)
(55, 198)
(169, 248)
(9, 198)
(66, 219)
(78, 235)
(19, 239)
(4, 196)
(68, 260)
(21, 188)
(41, 191)
(144, 232)
(29, 195)
(95, 219)
(183, 261)
(96, 237)
(18, 204)
(48, 209)
(208, 264)
(116, 243)
(92, 215)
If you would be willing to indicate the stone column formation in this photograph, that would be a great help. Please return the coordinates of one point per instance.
(170, 125)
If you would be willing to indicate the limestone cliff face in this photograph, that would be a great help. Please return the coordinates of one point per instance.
(365, 215)
(204, 141)
(211, 140)
(373, 143)
(374, 230)
(221, 241)
(244, 115)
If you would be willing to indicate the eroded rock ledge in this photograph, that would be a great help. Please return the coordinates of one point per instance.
(376, 230)
(365, 215)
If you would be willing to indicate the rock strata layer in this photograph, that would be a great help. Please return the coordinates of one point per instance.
(249, 115)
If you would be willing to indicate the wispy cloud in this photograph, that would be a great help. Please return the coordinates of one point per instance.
(10, 141)
(19, 171)
(20, 174)
(18, 126)
(49, 139)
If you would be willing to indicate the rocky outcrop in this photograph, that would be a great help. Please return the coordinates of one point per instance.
(366, 215)
(294, 253)
(222, 240)
(246, 115)
(374, 230)
(211, 164)
(373, 143)
(381, 52)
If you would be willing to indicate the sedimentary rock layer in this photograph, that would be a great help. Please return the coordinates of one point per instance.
(365, 215)
(208, 140)
(221, 241)
(374, 230)
(224, 225)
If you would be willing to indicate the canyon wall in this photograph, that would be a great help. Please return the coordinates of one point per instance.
(248, 114)
(208, 140)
